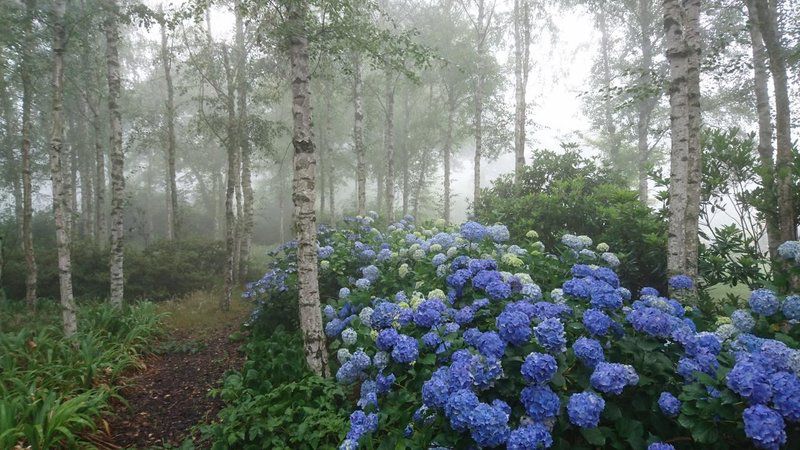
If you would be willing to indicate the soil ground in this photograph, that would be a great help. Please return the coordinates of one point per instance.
(169, 398)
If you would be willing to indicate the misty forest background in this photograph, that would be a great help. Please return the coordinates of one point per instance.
(155, 152)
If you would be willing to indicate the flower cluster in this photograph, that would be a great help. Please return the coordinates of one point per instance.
(454, 317)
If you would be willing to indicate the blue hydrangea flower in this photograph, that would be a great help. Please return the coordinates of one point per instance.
(362, 283)
(349, 336)
(764, 302)
(458, 406)
(648, 291)
(588, 351)
(660, 446)
(329, 312)
(405, 350)
(499, 233)
(611, 378)
(498, 290)
(573, 242)
(786, 395)
(386, 339)
(483, 278)
(385, 313)
(529, 437)
(464, 315)
(324, 252)
(681, 282)
(531, 291)
(550, 335)
(669, 404)
(429, 313)
(436, 390)
(335, 327)
(539, 368)
(789, 249)
(361, 424)
(546, 310)
(743, 320)
(431, 339)
(540, 402)
(584, 409)
(764, 426)
(652, 321)
(750, 380)
(344, 293)
(473, 231)
(491, 345)
(514, 327)
(596, 322)
(791, 307)
(488, 425)
(381, 360)
(371, 273)
(439, 259)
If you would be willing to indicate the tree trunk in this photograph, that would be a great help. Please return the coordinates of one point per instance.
(609, 130)
(328, 167)
(86, 175)
(101, 228)
(230, 185)
(447, 151)
(681, 25)
(303, 194)
(358, 137)
(764, 115)
(117, 157)
(59, 194)
(406, 148)
(248, 197)
(27, 190)
(389, 144)
(647, 103)
(479, 87)
(170, 183)
(522, 37)
(768, 21)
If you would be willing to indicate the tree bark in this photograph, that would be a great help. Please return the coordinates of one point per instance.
(116, 155)
(328, 167)
(101, 227)
(681, 25)
(358, 137)
(609, 130)
(60, 199)
(764, 116)
(170, 180)
(230, 185)
(522, 38)
(768, 21)
(27, 202)
(447, 151)
(303, 194)
(248, 197)
(389, 143)
(406, 149)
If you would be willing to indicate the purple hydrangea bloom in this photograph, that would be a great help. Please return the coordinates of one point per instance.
(584, 409)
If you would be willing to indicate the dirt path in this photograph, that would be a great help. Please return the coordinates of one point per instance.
(170, 396)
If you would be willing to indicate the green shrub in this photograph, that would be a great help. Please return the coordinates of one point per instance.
(275, 402)
(566, 192)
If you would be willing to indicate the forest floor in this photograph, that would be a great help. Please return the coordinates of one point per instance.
(169, 398)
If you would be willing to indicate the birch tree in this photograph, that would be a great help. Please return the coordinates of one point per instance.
(681, 27)
(68, 317)
(170, 183)
(116, 155)
(27, 189)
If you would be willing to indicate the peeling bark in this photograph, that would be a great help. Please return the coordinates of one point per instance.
(303, 193)
(60, 199)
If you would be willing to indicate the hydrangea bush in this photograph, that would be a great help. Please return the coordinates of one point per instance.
(457, 338)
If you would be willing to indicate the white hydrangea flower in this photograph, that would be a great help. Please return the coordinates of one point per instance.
(602, 247)
(435, 248)
(451, 252)
(403, 270)
(524, 277)
(366, 316)
(418, 254)
(343, 355)
(532, 234)
(437, 293)
(349, 336)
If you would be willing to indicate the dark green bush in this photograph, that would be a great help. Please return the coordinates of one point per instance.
(566, 192)
(275, 402)
(160, 271)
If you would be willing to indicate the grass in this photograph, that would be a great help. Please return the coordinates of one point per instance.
(199, 314)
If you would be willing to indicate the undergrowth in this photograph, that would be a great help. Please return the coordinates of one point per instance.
(53, 390)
